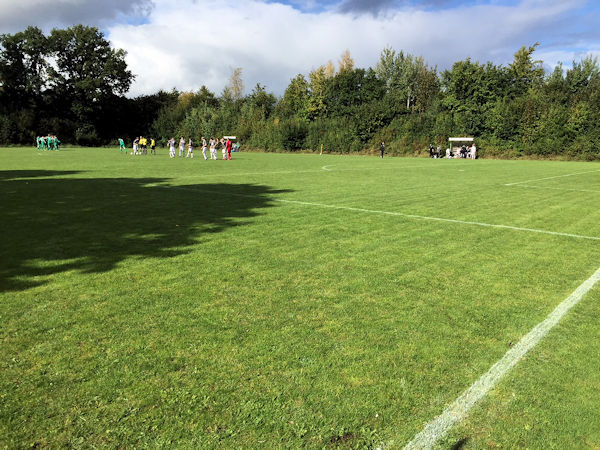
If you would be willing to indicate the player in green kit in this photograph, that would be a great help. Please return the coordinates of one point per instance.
(122, 146)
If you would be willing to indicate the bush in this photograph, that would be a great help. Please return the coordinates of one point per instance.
(86, 135)
(293, 134)
(8, 130)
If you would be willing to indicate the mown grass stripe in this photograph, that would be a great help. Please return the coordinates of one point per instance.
(558, 189)
(551, 178)
(458, 410)
(440, 219)
(398, 214)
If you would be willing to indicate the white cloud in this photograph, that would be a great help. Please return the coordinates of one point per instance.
(189, 43)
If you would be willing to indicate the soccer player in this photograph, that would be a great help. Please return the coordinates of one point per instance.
(382, 148)
(171, 144)
(190, 152)
(204, 148)
(213, 148)
(144, 144)
(122, 146)
(181, 146)
(152, 146)
(223, 149)
(228, 147)
(136, 143)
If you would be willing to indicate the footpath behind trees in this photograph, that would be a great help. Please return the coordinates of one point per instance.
(57, 84)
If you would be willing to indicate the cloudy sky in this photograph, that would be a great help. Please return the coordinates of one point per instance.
(185, 44)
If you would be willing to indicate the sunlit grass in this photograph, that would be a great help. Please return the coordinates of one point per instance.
(146, 301)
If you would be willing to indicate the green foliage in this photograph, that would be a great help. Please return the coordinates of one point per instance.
(73, 74)
(524, 72)
(295, 98)
(350, 89)
(316, 103)
(293, 134)
(8, 130)
(517, 109)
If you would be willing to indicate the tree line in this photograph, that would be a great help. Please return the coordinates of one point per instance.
(73, 84)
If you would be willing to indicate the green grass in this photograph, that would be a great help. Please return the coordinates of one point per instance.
(146, 301)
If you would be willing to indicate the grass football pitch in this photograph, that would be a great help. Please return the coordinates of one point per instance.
(285, 301)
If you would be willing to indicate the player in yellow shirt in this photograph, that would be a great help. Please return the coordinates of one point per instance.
(144, 145)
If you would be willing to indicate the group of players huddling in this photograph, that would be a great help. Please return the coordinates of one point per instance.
(49, 142)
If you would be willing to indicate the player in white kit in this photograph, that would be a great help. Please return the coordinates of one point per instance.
(190, 152)
(171, 148)
(213, 148)
(204, 148)
(181, 146)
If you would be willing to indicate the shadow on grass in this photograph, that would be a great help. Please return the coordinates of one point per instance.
(51, 225)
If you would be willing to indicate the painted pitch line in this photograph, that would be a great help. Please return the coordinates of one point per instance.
(439, 219)
(396, 214)
(327, 168)
(459, 409)
(551, 178)
(557, 189)
(226, 174)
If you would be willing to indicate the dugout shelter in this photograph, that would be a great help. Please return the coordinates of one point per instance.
(460, 140)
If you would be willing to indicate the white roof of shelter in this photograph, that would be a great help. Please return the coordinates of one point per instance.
(461, 139)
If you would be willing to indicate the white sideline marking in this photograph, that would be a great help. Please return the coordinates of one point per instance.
(557, 189)
(226, 174)
(458, 410)
(276, 172)
(391, 213)
(439, 219)
(550, 178)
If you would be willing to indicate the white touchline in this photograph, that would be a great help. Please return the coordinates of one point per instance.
(226, 174)
(439, 219)
(390, 213)
(557, 189)
(550, 178)
(459, 409)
